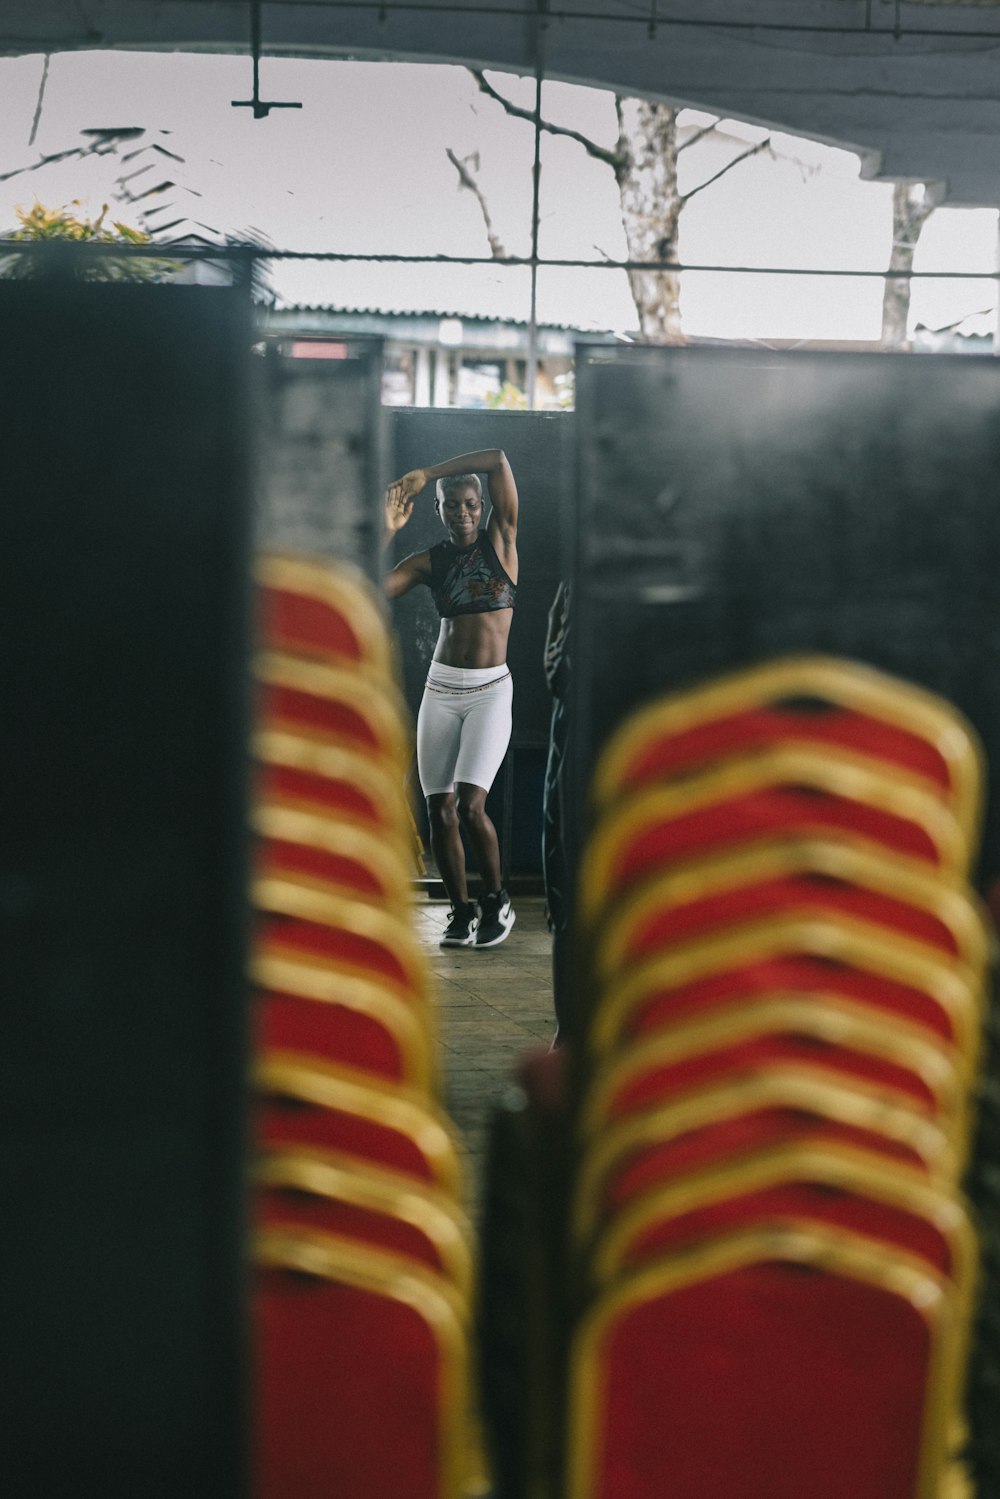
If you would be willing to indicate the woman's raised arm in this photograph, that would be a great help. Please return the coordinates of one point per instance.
(398, 508)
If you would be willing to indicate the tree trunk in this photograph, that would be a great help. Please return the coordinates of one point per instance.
(911, 208)
(651, 206)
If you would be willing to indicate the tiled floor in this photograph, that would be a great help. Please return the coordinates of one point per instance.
(493, 1006)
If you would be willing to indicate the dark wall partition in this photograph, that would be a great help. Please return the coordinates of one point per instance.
(737, 504)
(539, 446)
(319, 435)
(123, 580)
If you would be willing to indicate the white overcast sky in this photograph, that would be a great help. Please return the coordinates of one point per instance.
(362, 167)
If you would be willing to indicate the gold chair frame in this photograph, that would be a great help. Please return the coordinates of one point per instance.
(842, 1167)
(823, 1020)
(361, 844)
(391, 931)
(854, 864)
(379, 783)
(328, 1257)
(860, 780)
(379, 703)
(734, 1098)
(406, 1110)
(843, 683)
(391, 1194)
(410, 1025)
(851, 1256)
(860, 945)
(341, 587)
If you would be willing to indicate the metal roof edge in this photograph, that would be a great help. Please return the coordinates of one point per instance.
(433, 314)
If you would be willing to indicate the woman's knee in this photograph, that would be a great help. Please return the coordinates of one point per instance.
(471, 802)
(442, 812)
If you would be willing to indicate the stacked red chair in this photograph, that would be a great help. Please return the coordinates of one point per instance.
(363, 1251)
(774, 1267)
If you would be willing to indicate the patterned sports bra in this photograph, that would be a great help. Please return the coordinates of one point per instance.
(469, 580)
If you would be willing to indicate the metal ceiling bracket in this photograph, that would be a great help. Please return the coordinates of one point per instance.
(261, 107)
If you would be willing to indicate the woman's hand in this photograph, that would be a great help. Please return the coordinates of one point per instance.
(410, 485)
(397, 510)
(399, 499)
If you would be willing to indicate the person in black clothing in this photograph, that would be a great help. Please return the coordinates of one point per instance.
(555, 869)
(464, 723)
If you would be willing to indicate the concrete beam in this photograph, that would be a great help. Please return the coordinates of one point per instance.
(923, 104)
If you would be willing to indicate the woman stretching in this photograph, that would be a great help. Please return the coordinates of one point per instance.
(464, 723)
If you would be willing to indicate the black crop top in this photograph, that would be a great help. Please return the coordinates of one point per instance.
(469, 580)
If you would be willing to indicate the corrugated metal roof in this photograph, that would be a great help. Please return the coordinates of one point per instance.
(333, 310)
(591, 301)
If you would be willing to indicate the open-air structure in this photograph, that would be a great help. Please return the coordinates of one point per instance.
(740, 1239)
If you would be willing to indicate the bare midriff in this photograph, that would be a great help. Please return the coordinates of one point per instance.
(474, 640)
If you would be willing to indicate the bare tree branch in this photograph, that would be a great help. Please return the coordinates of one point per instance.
(41, 98)
(950, 327)
(468, 181)
(764, 145)
(699, 135)
(104, 143)
(44, 161)
(610, 158)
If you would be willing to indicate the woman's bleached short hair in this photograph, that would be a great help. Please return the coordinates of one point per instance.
(445, 487)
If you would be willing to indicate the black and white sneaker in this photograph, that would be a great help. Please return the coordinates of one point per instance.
(496, 919)
(462, 924)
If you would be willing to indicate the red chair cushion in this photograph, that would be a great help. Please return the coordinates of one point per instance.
(663, 1081)
(757, 728)
(292, 936)
(280, 1121)
(278, 856)
(792, 973)
(303, 788)
(336, 1033)
(725, 1140)
(797, 1201)
(773, 1381)
(799, 894)
(766, 812)
(335, 718)
(296, 622)
(347, 1393)
(286, 1208)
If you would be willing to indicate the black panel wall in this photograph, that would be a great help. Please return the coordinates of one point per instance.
(123, 566)
(321, 450)
(539, 447)
(735, 505)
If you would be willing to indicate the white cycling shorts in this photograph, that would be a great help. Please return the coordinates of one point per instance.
(463, 727)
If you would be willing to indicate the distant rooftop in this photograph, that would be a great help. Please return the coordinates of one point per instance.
(440, 326)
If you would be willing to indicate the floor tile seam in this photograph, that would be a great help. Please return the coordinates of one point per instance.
(488, 1022)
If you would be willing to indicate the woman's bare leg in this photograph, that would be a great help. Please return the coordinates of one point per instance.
(446, 845)
(481, 834)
